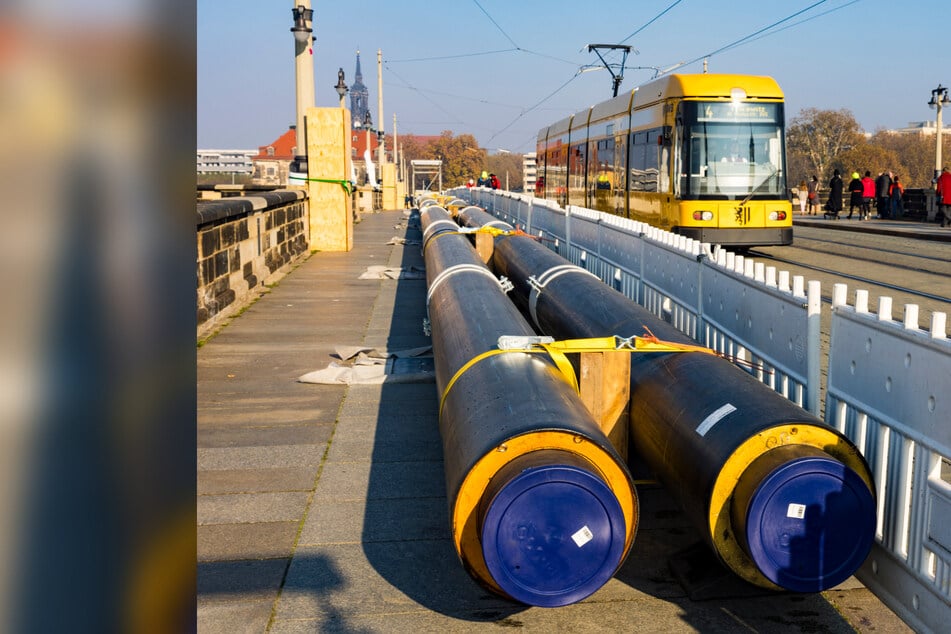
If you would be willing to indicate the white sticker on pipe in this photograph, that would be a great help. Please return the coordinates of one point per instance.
(583, 536)
(796, 511)
(714, 418)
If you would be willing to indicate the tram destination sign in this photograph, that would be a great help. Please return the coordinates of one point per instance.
(734, 112)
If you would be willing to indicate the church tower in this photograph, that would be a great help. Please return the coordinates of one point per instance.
(359, 97)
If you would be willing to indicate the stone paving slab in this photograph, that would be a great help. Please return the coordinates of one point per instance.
(264, 456)
(376, 521)
(256, 480)
(271, 506)
(260, 540)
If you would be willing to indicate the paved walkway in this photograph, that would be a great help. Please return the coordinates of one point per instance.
(909, 228)
(322, 507)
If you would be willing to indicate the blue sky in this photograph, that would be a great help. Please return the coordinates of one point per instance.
(502, 69)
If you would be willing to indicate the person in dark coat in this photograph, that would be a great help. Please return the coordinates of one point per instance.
(834, 205)
(883, 186)
(856, 195)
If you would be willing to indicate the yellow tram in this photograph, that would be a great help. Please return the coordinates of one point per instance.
(699, 155)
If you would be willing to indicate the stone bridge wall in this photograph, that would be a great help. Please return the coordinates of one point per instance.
(245, 243)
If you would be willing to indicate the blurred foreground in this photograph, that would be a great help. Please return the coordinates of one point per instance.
(97, 459)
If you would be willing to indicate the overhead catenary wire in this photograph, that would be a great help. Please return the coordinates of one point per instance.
(749, 37)
(525, 112)
(795, 24)
(491, 19)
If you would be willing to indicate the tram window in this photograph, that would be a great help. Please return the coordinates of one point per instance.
(731, 154)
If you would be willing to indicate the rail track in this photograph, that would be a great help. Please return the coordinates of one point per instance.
(907, 270)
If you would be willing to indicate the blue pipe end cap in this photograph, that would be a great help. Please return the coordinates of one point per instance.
(553, 535)
(810, 524)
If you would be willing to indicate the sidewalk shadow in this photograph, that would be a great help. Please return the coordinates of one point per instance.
(407, 535)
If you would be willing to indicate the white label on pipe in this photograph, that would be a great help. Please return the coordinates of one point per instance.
(714, 418)
(796, 511)
(583, 536)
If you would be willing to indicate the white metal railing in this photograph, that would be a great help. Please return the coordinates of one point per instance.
(888, 383)
(889, 391)
(732, 304)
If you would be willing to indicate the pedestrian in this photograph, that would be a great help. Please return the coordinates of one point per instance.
(943, 197)
(813, 196)
(856, 197)
(834, 205)
(868, 194)
(483, 179)
(803, 194)
(470, 183)
(896, 193)
(882, 187)
(494, 181)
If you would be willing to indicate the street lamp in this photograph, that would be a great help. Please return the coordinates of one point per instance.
(304, 66)
(939, 99)
(341, 87)
(302, 16)
(368, 126)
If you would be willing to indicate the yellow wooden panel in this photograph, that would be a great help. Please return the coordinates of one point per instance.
(328, 156)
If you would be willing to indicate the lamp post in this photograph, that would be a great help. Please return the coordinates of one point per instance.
(379, 108)
(939, 99)
(304, 65)
(341, 87)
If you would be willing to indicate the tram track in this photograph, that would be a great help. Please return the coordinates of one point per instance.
(858, 278)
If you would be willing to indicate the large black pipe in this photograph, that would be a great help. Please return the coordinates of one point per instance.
(543, 508)
(784, 500)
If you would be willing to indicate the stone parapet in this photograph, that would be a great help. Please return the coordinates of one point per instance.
(244, 243)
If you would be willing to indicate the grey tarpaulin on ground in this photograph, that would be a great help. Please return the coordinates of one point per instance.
(380, 272)
(398, 240)
(373, 366)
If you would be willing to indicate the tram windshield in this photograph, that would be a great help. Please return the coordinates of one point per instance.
(730, 151)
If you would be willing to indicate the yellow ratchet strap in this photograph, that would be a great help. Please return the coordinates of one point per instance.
(492, 231)
(557, 351)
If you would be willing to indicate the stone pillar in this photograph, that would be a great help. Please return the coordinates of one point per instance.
(328, 161)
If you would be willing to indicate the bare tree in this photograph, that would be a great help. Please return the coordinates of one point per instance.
(816, 137)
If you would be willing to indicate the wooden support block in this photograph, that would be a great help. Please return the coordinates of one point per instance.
(605, 387)
(484, 246)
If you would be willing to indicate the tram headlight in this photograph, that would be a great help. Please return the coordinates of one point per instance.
(702, 215)
(779, 214)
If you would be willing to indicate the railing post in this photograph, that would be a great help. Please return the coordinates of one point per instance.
(813, 342)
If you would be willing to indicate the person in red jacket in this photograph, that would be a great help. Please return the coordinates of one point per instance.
(868, 195)
(943, 198)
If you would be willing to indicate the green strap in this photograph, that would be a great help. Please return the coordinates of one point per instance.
(342, 182)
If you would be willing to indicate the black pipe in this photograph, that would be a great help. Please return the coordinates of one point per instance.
(543, 508)
(784, 500)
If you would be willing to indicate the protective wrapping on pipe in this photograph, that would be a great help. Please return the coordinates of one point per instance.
(785, 501)
(542, 508)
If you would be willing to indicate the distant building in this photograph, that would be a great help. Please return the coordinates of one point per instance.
(224, 161)
(272, 162)
(923, 128)
(529, 172)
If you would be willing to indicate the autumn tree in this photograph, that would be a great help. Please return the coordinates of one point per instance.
(816, 137)
(915, 155)
(507, 166)
(865, 156)
(461, 157)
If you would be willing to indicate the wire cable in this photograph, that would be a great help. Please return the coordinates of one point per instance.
(652, 20)
(525, 112)
(794, 24)
(443, 57)
(747, 38)
(491, 19)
